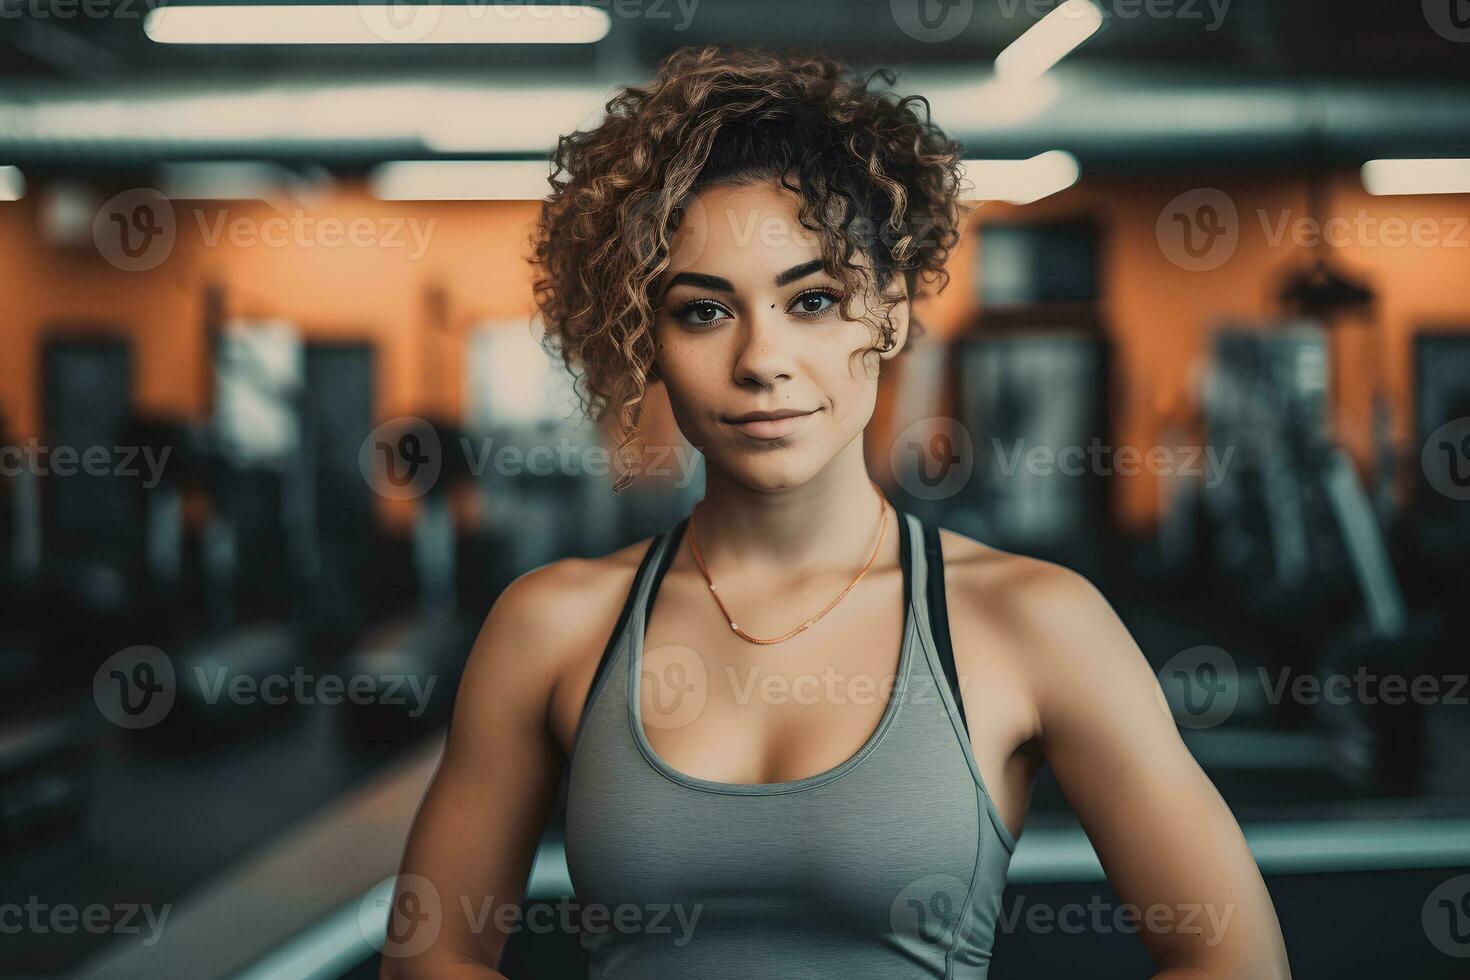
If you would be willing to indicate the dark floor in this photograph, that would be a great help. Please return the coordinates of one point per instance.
(160, 824)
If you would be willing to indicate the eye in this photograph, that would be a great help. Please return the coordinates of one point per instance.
(808, 304)
(703, 311)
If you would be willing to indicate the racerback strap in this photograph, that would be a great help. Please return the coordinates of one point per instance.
(939, 615)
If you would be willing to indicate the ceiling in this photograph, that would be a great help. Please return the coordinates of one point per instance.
(1267, 81)
(53, 40)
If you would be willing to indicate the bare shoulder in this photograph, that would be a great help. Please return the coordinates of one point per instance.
(1034, 620)
(547, 629)
(1021, 584)
(552, 611)
(1059, 633)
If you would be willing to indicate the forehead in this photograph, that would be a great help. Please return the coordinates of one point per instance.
(744, 233)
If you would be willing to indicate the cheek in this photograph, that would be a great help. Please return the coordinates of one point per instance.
(850, 405)
(689, 379)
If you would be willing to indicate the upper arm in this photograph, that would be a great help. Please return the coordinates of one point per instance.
(1170, 846)
(471, 846)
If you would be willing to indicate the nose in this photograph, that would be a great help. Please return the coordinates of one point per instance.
(763, 357)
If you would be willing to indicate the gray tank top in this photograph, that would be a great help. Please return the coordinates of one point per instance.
(888, 866)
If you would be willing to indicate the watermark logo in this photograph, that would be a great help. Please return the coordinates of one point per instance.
(928, 909)
(1362, 687)
(1446, 917)
(299, 228)
(39, 918)
(402, 458)
(135, 687)
(414, 915)
(1199, 230)
(1363, 229)
(124, 461)
(932, 459)
(1202, 685)
(400, 21)
(1450, 19)
(77, 9)
(1098, 917)
(684, 230)
(1099, 459)
(1446, 459)
(1210, 14)
(135, 230)
(403, 915)
(932, 21)
(674, 686)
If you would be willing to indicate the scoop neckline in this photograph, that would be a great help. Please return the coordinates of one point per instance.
(908, 640)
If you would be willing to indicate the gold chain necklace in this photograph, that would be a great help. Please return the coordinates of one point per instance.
(694, 548)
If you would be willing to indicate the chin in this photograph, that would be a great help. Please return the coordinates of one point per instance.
(769, 469)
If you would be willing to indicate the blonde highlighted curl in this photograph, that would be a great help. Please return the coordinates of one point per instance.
(873, 177)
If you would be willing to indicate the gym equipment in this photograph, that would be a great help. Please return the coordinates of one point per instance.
(336, 415)
(44, 753)
(1030, 428)
(45, 735)
(421, 654)
(173, 458)
(1034, 405)
(1439, 521)
(1265, 403)
(1296, 533)
(89, 531)
(255, 549)
(1036, 265)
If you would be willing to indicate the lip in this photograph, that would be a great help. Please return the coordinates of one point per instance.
(770, 425)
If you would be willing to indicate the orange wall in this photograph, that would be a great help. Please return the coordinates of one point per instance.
(1158, 314)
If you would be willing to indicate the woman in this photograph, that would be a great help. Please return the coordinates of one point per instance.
(826, 761)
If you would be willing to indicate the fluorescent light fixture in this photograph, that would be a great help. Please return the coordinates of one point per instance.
(1049, 40)
(393, 22)
(995, 103)
(461, 180)
(239, 180)
(1431, 176)
(1021, 181)
(508, 120)
(457, 118)
(12, 183)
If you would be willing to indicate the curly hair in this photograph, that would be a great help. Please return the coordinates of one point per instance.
(873, 177)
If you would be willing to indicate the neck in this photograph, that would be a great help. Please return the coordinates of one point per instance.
(830, 520)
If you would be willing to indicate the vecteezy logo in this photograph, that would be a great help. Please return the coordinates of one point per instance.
(1446, 917)
(683, 229)
(1202, 686)
(401, 458)
(932, 459)
(397, 21)
(413, 915)
(134, 688)
(1198, 230)
(674, 686)
(1450, 19)
(1446, 459)
(932, 21)
(929, 909)
(135, 230)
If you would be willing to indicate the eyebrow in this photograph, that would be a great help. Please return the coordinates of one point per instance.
(723, 285)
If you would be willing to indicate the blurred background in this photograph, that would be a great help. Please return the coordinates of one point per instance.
(276, 430)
